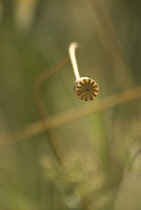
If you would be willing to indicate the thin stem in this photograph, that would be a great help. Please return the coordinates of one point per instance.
(71, 115)
(56, 146)
(72, 49)
(110, 43)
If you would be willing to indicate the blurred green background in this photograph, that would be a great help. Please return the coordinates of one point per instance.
(101, 152)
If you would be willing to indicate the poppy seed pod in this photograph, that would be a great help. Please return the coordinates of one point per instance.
(86, 89)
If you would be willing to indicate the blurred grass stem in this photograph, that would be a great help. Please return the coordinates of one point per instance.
(55, 144)
(110, 43)
(73, 114)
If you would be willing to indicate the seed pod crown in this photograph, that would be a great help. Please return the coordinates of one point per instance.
(86, 89)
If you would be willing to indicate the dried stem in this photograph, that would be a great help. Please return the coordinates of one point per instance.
(70, 115)
(110, 42)
(56, 146)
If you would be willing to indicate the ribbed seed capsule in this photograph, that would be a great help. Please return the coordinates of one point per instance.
(86, 89)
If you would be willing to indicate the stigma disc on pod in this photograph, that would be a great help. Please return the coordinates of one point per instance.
(86, 89)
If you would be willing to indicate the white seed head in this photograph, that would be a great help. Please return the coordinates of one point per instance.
(86, 89)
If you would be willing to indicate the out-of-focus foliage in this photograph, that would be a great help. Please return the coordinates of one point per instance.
(78, 181)
(35, 35)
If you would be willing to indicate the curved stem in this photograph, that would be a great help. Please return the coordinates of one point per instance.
(56, 146)
(72, 49)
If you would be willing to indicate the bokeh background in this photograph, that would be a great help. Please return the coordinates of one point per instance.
(101, 152)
